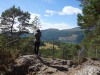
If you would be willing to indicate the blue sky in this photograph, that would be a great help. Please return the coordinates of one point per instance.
(60, 14)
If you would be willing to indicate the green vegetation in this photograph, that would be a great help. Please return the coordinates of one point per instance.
(74, 35)
(90, 21)
(60, 50)
(12, 44)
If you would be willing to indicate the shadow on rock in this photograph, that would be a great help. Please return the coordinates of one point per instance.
(60, 68)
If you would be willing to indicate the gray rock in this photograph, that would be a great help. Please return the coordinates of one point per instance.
(64, 62)
(89, 70)
(27, 60)
(69, 63)
(50, 70)
(33, 69)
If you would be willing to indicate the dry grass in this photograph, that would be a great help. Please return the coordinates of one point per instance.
(49, 46)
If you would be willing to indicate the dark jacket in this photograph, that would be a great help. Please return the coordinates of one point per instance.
(37, 36)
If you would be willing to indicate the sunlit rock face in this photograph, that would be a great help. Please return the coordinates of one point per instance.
(36, 65)
(89, 70)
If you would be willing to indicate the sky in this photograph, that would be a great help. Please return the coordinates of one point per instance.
(59, 14)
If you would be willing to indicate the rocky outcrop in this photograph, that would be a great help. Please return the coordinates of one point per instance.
(88, 70)
(90, 67)
(35, 65)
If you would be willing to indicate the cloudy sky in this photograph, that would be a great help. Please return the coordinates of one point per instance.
(59, 14)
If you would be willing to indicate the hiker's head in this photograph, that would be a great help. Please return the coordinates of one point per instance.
(38, 30)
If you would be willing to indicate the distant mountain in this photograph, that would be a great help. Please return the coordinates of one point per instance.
(74, 35)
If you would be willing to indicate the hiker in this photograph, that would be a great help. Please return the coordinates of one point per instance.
(37, 41)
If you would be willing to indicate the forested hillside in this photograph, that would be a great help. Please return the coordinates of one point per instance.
(74, 35)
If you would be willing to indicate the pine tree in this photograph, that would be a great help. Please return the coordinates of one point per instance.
(90, 21)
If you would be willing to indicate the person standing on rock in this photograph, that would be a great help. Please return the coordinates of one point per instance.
(37, 41)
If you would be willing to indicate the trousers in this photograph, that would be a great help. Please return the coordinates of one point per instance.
(36, 47)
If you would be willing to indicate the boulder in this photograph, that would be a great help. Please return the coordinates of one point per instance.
(70, 63)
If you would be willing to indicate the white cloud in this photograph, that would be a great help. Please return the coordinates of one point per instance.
(67, 10)
(33, 16)
(59, 26)
(50, 12)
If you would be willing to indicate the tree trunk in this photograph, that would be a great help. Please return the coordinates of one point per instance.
(12, 35)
